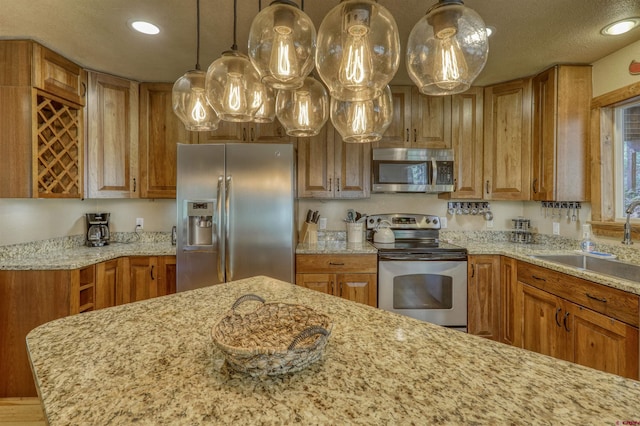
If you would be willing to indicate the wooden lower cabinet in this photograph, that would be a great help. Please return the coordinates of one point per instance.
(556, 327)
(483, 296)
(509, 306)
(30, 298)
(353, 277)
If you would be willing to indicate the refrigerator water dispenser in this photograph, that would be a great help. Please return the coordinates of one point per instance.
(200, 225)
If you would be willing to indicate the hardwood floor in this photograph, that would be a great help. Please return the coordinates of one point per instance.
(21, 412)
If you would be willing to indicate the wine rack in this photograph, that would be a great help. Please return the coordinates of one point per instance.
(57, 169)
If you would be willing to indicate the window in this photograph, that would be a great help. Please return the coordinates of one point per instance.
(627, 158)
(615, 166)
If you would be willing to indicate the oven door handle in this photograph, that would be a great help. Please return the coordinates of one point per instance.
(383, 257)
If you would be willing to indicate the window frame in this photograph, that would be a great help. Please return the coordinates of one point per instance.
(603, 179)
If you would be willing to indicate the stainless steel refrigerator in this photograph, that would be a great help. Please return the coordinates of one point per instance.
(235, 207)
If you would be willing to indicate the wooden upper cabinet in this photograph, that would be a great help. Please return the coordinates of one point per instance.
(37, 159)
(228, 131)
(507, 141)
(331, 168)
(561, 113)
(398, 133)
(467, 144)
(419, 121)
(57, 75)
(112, 137)
(160, 132)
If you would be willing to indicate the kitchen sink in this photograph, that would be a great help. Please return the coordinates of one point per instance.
(615, 268)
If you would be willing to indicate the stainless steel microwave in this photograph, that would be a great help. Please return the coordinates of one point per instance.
(412, 170)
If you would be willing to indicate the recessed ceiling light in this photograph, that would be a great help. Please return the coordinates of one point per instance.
(144, 27)
(621, 27)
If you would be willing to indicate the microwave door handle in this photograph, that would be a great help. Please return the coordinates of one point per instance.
(434, 172)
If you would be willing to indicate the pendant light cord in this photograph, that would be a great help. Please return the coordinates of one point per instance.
(235, 18)
(198, 34)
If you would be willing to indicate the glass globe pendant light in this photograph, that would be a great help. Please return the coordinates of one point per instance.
(188, 95)
(303, 111)
(362, 121)
(282, 42)
(447, 49)
(358, 50)
(265, 97)
(231, 83)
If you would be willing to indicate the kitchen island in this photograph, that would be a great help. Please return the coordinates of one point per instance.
(153, 362)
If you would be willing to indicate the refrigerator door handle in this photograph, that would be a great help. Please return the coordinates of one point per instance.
(228, 266)
(218, 228)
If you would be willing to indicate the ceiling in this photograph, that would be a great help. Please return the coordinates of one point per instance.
(530, 34)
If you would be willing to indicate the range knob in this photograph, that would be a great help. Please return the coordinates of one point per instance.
(435, 220)
(427, 221)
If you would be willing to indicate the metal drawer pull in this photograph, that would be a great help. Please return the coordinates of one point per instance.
(557, 320)
(336, 264)
(565, 321)
(538, 278)
(603, 300)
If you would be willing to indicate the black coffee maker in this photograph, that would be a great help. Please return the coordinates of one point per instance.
(97, 229)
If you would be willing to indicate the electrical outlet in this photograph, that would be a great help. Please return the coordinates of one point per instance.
(443, 222)
(139, 223)
(556, 228)
(490, 223)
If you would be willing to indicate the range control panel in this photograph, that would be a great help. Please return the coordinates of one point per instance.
(404, 221)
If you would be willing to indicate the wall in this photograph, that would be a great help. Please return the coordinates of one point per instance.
(24, 220)
(612, 72)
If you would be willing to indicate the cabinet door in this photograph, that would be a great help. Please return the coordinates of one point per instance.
(319, 282)
(430, 120)
(510, 315)
(603, 343)
(361, 288)
(542, 317)
(227, 131)
(108, 284)
(58, 75)
(507, 141)
(352, 172)
(399, 131)
(268, 133)
(143, 279)
(168, 267)
(316, 165)
(112, 137)
(467, 144)
(160, 132)
(483, 296)
(561, 109)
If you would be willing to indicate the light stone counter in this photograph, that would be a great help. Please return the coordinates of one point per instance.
(154, 362)
(71, 253)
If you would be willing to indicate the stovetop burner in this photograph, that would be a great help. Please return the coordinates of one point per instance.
(415, 234)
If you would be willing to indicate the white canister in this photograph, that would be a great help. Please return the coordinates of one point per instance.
(355, 232)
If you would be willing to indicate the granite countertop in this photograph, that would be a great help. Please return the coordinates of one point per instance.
(71, 253)
(153, 362)
(336, 247)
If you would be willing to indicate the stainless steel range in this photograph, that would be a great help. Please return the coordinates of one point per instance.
(419, 275)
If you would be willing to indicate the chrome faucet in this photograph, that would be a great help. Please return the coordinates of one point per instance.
(627, 225)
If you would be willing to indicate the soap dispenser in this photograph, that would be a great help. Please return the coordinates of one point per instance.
(587, 245)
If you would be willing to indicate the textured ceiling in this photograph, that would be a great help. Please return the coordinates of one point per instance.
(530, 35)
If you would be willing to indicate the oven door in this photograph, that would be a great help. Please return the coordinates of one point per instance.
(429, 290)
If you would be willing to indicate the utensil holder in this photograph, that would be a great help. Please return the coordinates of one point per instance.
(308, 233)
(354, 232)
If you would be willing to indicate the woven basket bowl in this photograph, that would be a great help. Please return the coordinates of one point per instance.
(276, 338)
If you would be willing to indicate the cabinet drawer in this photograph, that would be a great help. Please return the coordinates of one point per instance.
(609, 301)
(334, 263)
